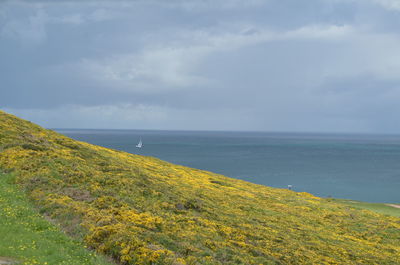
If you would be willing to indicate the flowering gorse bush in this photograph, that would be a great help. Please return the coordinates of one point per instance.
(141, 210)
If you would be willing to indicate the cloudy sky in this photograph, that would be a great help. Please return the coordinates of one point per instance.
(269, 65)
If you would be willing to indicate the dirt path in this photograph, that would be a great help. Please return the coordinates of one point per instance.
(6, 261)
(394, 205)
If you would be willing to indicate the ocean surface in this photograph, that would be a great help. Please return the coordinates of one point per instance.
(359, 167)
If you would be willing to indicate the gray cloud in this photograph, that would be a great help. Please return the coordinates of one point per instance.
(255, 65)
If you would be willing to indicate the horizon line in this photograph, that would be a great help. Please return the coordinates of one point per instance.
(233, 131)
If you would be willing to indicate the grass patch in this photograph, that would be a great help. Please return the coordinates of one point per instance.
(375, 207)
(30, 239)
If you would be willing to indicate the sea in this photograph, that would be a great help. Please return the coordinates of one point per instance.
(350, 166)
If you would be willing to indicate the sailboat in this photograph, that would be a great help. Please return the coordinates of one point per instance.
(140, 144)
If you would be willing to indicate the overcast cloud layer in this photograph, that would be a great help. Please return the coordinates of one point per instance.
(271, 65)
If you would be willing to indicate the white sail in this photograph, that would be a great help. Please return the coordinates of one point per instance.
(140, 144)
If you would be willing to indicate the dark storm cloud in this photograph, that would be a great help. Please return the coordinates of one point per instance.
(318, 65)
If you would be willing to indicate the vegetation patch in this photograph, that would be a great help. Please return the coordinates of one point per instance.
(27, 238)
(381, 208)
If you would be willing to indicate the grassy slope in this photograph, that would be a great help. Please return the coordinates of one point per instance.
(142, 210)
(28, 238)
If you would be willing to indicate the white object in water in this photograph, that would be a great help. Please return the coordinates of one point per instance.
(289, 187)
(140, 144)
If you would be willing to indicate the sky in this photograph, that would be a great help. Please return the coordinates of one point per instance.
(254, 65)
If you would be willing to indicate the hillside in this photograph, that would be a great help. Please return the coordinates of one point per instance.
(141, 210)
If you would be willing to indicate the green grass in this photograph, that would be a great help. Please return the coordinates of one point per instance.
(26, 237)
(375, 207)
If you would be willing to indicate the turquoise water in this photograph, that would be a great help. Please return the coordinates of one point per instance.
(360, 167)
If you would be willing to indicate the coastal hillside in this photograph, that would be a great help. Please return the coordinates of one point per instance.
(141, 210)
